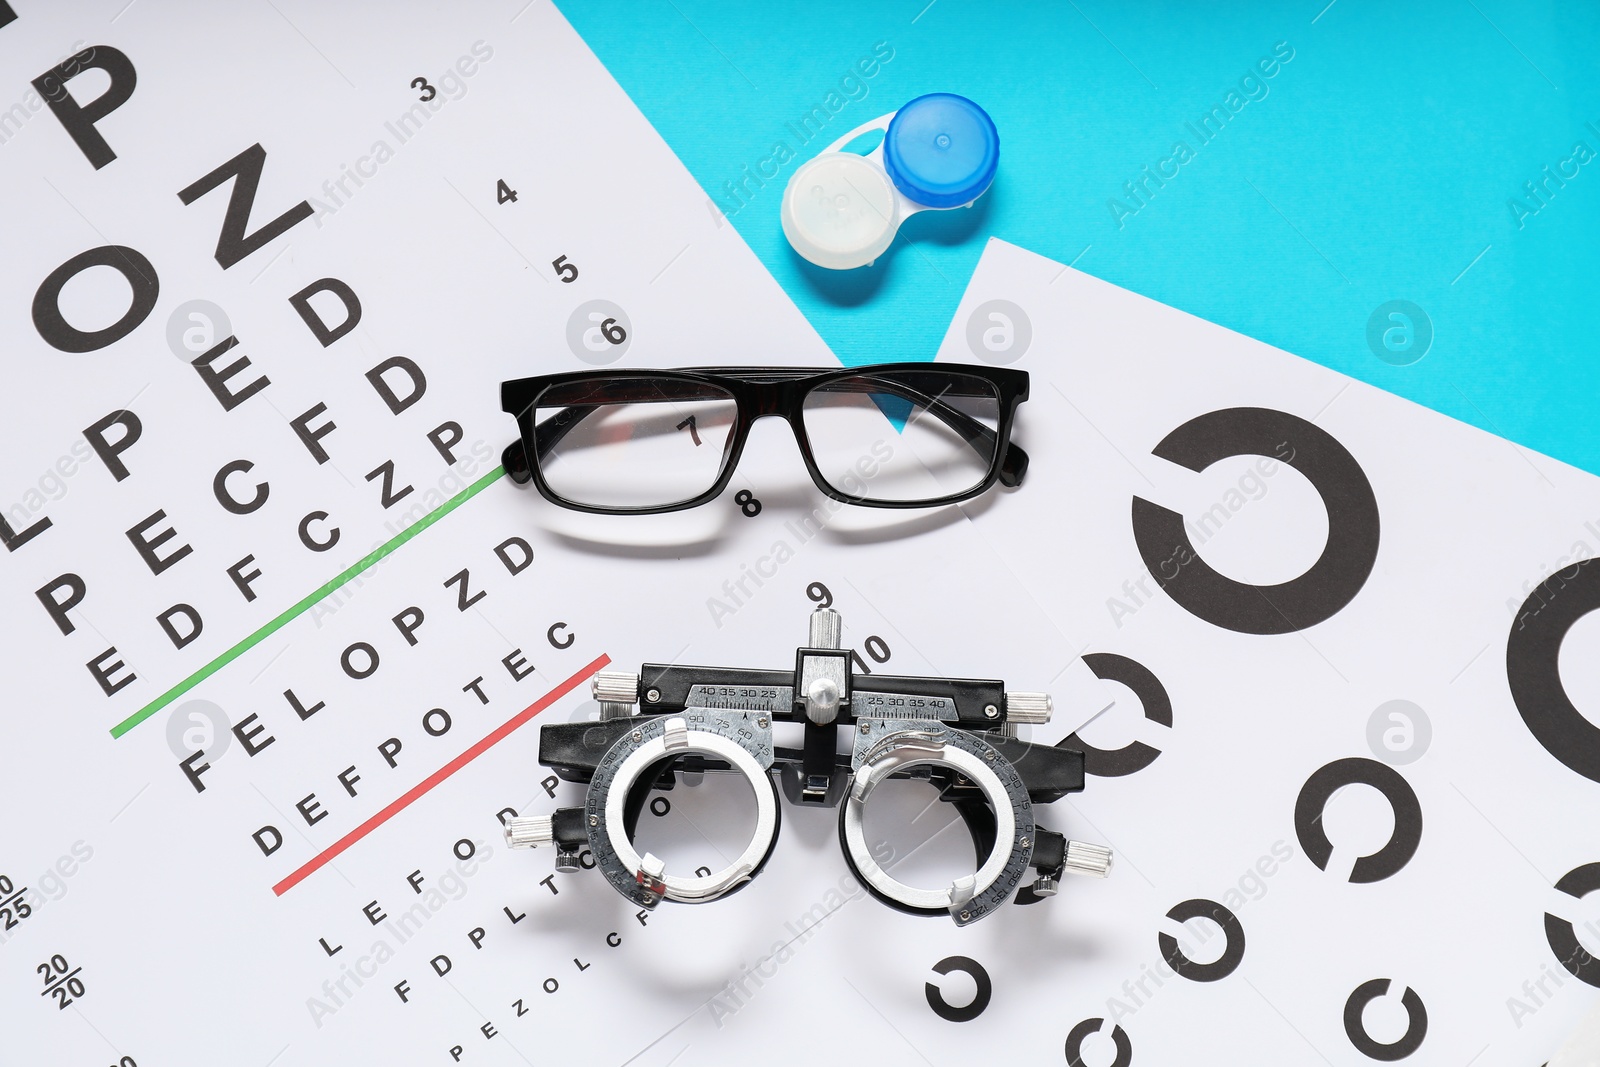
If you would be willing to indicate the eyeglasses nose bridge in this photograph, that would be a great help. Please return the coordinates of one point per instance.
(769, 398)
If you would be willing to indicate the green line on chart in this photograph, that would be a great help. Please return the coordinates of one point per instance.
(302, 606)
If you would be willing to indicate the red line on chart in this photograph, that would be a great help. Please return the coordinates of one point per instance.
(499, 734)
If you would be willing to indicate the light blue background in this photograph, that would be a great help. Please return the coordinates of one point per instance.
(1378, 167)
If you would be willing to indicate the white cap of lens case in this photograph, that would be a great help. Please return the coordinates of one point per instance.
(841, 210)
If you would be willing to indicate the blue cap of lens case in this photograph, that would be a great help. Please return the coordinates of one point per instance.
(841, 210)
(941, 150)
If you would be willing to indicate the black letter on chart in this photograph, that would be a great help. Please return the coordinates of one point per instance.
(62, 335)
(234, 243)
(79, 119)
(324, 333)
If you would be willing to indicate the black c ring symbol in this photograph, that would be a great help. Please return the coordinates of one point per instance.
(1559, 932)
(1114, 763)
(1232, 952)
(1090, 1026)
(1532, 666)
(980, 1000)
(1302, 602)
(1416, 1030)
(1385, 779)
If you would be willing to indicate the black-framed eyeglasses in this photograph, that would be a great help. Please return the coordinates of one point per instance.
(891, 435)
